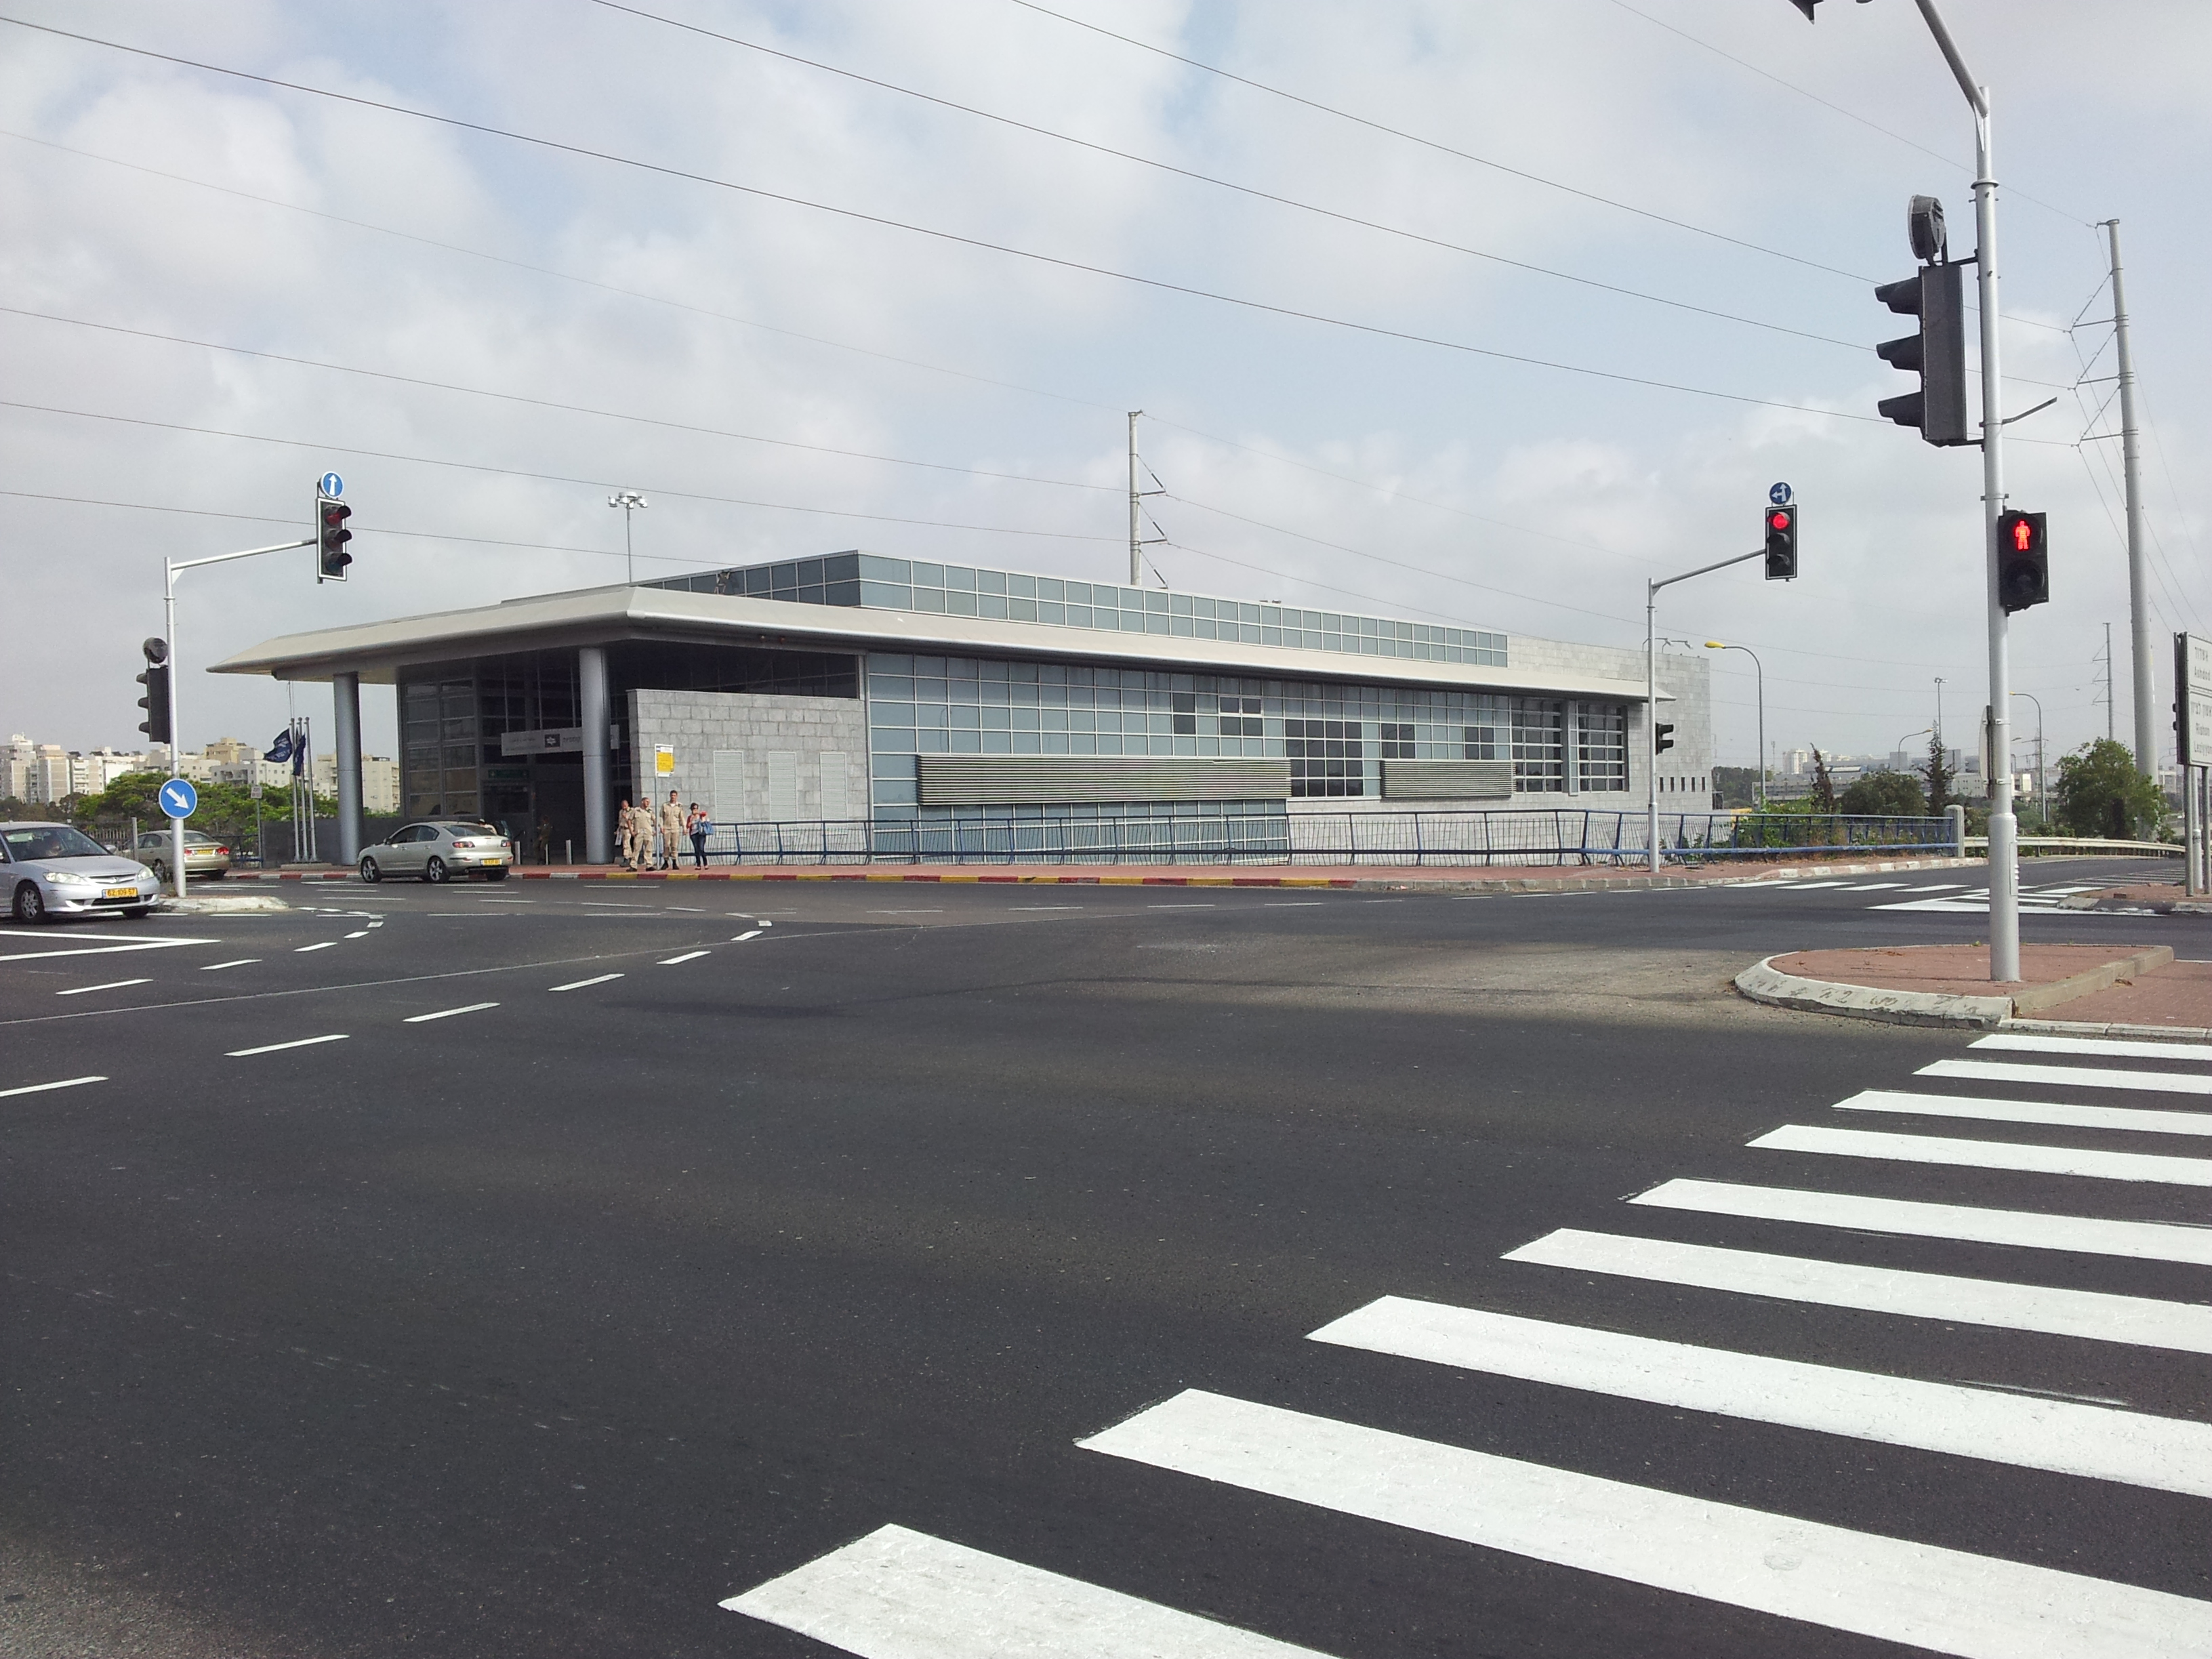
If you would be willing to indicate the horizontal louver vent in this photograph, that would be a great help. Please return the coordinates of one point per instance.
(1024, 780)
(1446, 780)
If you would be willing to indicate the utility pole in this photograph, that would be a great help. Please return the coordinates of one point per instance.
(629, 501)
(1137, 537)
(2138, 600)
(2111, 735)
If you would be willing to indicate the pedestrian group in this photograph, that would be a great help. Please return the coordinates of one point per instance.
(653, 840)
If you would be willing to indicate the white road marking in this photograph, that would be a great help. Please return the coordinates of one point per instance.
(579, 984)
(1807, 886)
(2032, 1157)
(611, 904)
(272, 1047)
(1917, 1595)
(885, 913)
(109, 950)
(1875, 886)
(2150, 1119)
(448, 1013)
(2034, 1230)
(1044, 907)
(111, 985)
(2162, 1453)
(362, 935)
(901, 1595)
(689, 956)
(2097, 1316)
(1181, 906)
(692, 909)
(2072, 1077)
(2105, 1047)
(751, 932)
(325, 946)
(211, 967)
(40, 1088)
(376, 924)
(1942, 887)
(1291, 904)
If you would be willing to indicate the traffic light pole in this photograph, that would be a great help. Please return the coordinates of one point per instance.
(1651, 695)
(2004, 827)
(169, 569)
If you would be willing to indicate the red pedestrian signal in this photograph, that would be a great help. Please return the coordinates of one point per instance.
(2023, 561)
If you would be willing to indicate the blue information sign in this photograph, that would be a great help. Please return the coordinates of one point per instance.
(1779, 494)
(178, 799)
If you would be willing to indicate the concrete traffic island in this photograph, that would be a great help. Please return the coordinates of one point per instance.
(2105, 987)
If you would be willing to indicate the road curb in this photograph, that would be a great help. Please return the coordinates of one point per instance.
(1763, 982)
(2090, 1028)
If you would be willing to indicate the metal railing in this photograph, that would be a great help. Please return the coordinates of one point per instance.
(1524, 836)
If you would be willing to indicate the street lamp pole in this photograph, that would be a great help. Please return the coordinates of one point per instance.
(629, 501)
(1651, 693)
(2042, 787)
(1714, 644)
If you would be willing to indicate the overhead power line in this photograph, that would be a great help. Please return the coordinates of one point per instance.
(1158, 284)
(540, 403)
(1228, 184)
(624, 483)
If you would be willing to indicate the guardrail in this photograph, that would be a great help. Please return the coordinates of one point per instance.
(2088, 844)
(1523, 837)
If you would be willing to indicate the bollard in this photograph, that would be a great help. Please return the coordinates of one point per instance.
(1957, 814)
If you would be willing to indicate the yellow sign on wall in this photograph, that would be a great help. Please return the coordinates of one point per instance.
(664, 759)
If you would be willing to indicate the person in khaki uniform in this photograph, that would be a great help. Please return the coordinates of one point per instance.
(671, 831)
(626, 824)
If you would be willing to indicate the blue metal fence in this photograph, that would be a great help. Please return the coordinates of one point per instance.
(1523, 837)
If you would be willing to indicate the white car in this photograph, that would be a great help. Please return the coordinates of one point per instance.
(440, 851)
(53, 869)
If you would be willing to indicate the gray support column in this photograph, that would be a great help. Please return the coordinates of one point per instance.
(345, 699)
(599, 810)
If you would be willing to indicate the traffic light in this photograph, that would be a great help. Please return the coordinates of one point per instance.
(1782, 544)
(330, 538)
(155, 702)
(1662, 736)
(2023, 561)
(1937, 353)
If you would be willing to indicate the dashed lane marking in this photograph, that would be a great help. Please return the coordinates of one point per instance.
(325, 946)
(1291, 904)
(2031, 1229)
(109, 950)
(689, 956)
(751, 932)
(211, 967)
(1919, 1595)
(1182, 907)
(111, 985)
(1044, 907)
(40, 1088)
(901, 1594)
(579, 984)
(448, 1013)
(362, 935)
(273, 1047)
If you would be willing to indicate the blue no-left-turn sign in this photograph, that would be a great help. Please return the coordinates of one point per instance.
(1779, 494)
(331, 485)
(178, 799)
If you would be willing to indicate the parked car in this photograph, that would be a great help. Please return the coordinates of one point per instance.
(440, 851)
(206, 858)
(53, 869)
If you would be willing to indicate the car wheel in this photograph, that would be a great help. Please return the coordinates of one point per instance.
(160, 871)
(139, 912)
(216, 875)
(369, 872)
(30, 904)
(434, 870)
(495, 875)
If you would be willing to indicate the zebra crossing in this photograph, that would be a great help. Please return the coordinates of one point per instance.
(897, 1593)
(1975, 901)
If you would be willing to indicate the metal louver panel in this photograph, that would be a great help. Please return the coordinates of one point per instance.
(1446, 780)
(1024, 780)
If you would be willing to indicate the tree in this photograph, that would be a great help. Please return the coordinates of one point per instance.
(1884, 795)
(1824, 787)
(1936, 772)
(2100, 793)
(1738, 785)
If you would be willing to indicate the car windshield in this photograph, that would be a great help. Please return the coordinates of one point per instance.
(52, 841)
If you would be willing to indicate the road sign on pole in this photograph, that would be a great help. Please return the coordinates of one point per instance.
(330, 484)
(1779, 494)
(2193, 699)
(178, 799)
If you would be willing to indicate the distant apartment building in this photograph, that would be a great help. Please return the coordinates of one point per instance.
(15, 768)
(379, 782)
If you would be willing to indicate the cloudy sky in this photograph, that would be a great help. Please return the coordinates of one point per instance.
(1577, 284)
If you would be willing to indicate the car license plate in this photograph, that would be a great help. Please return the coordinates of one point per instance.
(123, 892)
(492, 860)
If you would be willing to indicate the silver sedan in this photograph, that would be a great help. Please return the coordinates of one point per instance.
(440, 851)
(53, 869)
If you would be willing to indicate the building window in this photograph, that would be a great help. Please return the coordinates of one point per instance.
(1325, 758)
(1183, 708)
(1479, 743)
(1396, 742)
(1601, 746)
(1240, 717)
(1539, 746)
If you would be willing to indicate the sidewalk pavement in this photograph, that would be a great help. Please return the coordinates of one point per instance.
(2114, 989)
(2163, 898)
(1441, 879)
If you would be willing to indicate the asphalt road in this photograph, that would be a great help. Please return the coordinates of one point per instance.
(527, 1269)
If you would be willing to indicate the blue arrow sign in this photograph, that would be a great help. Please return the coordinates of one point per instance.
(1779, 494)
(178, 799)
(331, 485)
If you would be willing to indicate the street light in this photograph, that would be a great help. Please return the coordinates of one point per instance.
(628, 500)
(2042, 785)
(1714, 644)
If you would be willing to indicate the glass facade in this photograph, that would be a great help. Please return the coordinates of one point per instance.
(1334, 735)
(866, 578)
